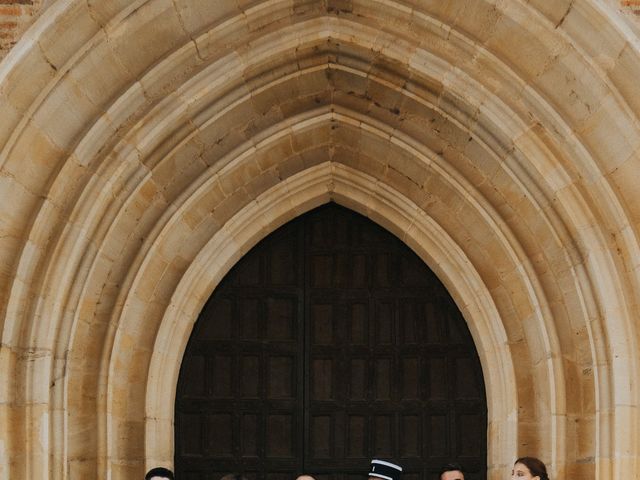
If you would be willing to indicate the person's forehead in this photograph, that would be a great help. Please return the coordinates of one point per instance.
(155, 477)
(452, 475)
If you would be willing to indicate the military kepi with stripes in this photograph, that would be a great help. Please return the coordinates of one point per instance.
(385, 470)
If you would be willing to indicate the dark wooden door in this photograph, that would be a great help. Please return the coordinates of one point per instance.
(328, 344)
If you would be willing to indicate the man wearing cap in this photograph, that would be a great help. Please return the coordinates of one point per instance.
(451, 471)
(159, 473)
(381, 469)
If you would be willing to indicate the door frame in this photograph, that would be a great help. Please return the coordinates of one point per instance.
(390, 209)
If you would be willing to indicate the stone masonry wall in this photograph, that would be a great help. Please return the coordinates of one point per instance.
(146, 145)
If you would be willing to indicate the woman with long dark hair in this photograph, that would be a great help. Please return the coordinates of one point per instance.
(529, 468)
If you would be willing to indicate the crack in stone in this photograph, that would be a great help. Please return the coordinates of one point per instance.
(565, 15)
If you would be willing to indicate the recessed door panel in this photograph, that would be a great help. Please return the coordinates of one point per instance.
(328, 344)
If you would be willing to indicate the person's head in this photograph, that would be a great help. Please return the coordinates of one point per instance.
(305, 477)
(383, 470)
(529, 468)
(451, 471)
(233, 476)
(159, 473)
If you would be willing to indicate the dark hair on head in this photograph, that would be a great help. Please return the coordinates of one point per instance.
(159, 472)
(535, 466)
(233, 476)
(450, 467)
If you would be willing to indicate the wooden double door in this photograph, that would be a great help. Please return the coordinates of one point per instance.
(328, 344)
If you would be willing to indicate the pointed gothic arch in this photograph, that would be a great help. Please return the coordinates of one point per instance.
(499, 141)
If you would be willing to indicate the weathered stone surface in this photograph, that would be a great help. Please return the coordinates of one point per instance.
(146, 146)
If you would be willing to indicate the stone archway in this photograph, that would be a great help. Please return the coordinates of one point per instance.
(328, 344)
(497, 140)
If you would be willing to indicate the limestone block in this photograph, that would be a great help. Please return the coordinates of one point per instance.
(181, 67)
(69, 184)
(9, 118)
(624, 73)
(583, 468)
(69, 34)
(314, 57)
(311, 138)
(36, 158)
(556, 12)
(305, 8)
(219, 140)
(341, 155)
(276, 150)
(14, 214)
(475, 230)
(263, 182)
(510, 321)
(284, 91)
(313, 82)
(290, 166)
(157, 31)
(19, 437)
(572, 87)
(223, 38)
(154, 269)
(605, 125)
(406, 163)
(198, 16)
(478, 18)
(266, 114)
(124, 470)
(622, 463)
(569, 338)
(524, 43)
(229, 206)
(38, 431)
(36, 362)
(527, 309)
(418, 125)
(275, 72)
(586, 437)
(157, 429)
(625, 421)
(354, 99)
(5, 446)
(99, 75)
(483, 264)
(8, 364)
(131, 444)
(442, 11)
(204, 204)
(376, 147)
(64, 114)
(113, 10)
(590, 29)
(178, 172)
(266, 17)
(25, 78)
(626, 179)
(232, 179)
(528, 428)
(387, 104)
(81, 467)
(410, 189)
(346, 76)
(212, 93)
(315, 157)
